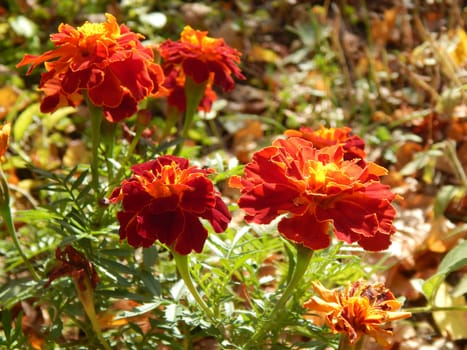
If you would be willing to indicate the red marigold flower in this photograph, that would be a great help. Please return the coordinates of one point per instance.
(175, 84)
(357, 310)
(354, 146)
(106, 60)
(317, 188)
(202, 58)
(164, 200)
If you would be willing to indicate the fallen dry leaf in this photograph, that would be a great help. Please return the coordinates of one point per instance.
(452, 324)
(8, 98)
(245, 140)
(381, 29)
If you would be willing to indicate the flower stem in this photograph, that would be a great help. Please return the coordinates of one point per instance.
(126, 162)
(133, 144)
(5, 212)
(344, 343)
(459, 170)
(108, 130)
(96, 121)
(182, 265)
(86, 297)
(430, 308)
(303, 260)
(194, 93)
(173, 115)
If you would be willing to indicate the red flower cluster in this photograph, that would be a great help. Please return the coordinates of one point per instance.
(317, 188)
(353, 146)
(106, 60)
(205, 60)
(164, 200)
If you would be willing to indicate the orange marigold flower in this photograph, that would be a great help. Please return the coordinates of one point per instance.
(164, 200)
(317, 188)
(353, 145)
(106, 60)
(203, 59)
(5, 131)
(357, 310)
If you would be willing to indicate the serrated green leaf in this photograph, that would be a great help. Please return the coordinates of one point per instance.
(83, 193)
(70, 175)
(116, 266)
(431, 285)
(150, 282)
(7, 324)
(121, 251)
(454, 260)
(123, 294)
(79, 180)
(140, 310)
(38, 214)
(149, 257)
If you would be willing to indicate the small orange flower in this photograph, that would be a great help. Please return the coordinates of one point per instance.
(5, 130)
(357, 310)
(203, 59)
(106, 60)
(354, 146)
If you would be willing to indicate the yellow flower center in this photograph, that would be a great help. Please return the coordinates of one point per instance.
(90, 29)
(92, 32)
(327, 134)
(199, 38)
(165, 183)
(321, 174)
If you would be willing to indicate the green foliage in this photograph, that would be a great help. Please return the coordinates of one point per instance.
(243, 272)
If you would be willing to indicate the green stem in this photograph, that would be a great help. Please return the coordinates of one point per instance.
(459, 170)
(5, 212)
(131, 148)
(108, 130)
(182, 265)
(139, 131)
(303, 260)
(86, 298)
(194, 93)
(173, 115)
(96, 121)
(429, 308)
(344, 343)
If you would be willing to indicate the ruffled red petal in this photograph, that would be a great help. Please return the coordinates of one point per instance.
(105, 60)
(164, 201)
(317, 189)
